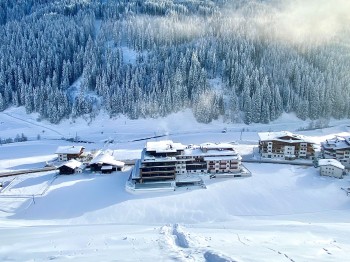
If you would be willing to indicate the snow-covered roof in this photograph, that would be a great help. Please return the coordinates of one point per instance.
(105, 158)
(347, 139)
(165, 146)
(211, 149)
(337, 143)
(330, 162)
(69, 149)
(199, 152)
(73, 164)
(205, 149)
(149, 158)
(268, 136)
(218, 146)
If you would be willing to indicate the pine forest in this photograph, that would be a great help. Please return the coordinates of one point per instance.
(240, 60)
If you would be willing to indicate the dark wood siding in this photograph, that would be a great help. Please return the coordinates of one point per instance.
(65, 170)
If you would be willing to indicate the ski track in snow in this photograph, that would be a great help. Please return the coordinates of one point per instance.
(34, 124)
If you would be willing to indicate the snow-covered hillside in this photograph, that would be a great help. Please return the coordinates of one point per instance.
(281, 213)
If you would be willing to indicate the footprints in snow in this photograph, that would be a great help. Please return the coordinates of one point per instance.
(280, 253)
(329, 253)
(211, 256)
(181, 239)
(189, 247)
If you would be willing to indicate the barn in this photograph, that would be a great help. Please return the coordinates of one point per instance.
(71, 167)
(105, 163)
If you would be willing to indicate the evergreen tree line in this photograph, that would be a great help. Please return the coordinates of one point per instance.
(176, 49)
(18, 138)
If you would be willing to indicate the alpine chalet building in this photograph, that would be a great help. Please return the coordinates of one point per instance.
(66, 153)
(285, 145)
(331, 167)
(337, 148)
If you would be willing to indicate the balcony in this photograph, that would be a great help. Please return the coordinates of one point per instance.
(155, 176)
(157, 172)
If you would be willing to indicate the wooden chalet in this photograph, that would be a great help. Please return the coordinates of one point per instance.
(285, 145)
(105, 163)
(71, 167)
(337, 148)
(66, 153)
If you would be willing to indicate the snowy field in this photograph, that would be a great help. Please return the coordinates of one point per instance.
(281, 213)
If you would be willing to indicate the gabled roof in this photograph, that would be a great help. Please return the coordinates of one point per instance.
(337, 143)
(105, 158)
(284, 136)
(330, 162)
(69, 149)
(73, 164)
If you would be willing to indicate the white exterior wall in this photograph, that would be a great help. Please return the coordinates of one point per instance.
(303, 149)
(272, 155)
(332, 171)
(289, 150)
(62, 157)
(269, 148)
(180, 167)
